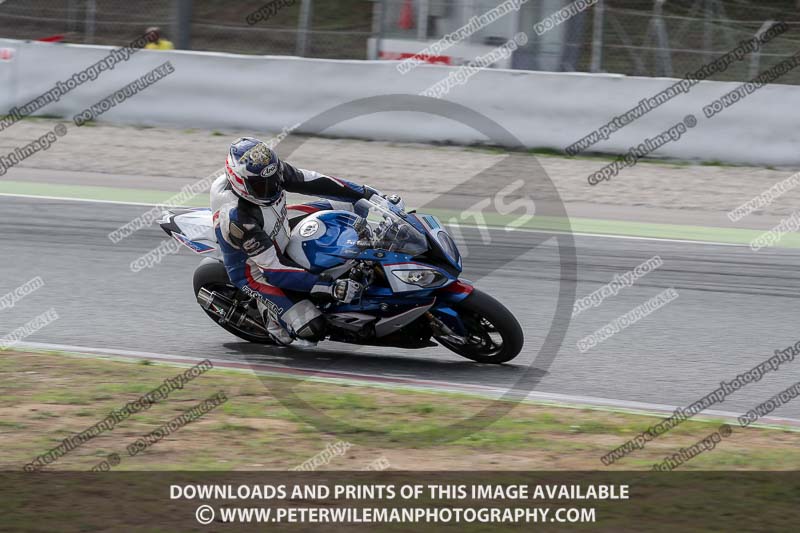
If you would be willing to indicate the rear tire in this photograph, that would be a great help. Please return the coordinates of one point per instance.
(212, 276)
(487, 321)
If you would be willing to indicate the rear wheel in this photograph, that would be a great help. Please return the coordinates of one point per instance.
(212, 276)
(493, 334)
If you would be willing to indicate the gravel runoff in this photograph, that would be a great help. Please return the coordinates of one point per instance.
(418, 169)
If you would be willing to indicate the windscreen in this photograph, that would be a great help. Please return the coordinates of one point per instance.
(385, 230)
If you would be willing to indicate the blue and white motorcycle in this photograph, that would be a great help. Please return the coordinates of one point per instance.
(409, 265)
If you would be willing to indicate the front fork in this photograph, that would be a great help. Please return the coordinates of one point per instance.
(443, 331)
(444, 318)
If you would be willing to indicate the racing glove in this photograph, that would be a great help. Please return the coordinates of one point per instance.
(391, 198)
(346, 290)
(396, 200)
(343, 290)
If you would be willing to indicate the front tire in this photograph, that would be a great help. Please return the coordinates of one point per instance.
(212, 276)
(494, 335)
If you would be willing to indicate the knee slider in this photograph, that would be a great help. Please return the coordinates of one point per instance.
(314, 331)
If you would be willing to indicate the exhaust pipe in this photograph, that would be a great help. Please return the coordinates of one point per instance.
(227, 311)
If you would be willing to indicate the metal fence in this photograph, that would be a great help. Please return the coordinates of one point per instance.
(633, 37)
(111, 22)
(671, 38)
(315, 28)
(332, 29)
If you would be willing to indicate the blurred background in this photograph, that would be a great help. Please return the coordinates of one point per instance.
(633, 37)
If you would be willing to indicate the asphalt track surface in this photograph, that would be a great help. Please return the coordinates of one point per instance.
(735, 307)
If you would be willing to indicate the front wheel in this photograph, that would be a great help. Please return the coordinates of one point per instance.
(493, 332)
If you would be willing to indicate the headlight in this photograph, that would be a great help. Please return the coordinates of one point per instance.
(420, 277)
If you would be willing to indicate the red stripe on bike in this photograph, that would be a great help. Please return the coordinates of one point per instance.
(459, 287)
(304, 208)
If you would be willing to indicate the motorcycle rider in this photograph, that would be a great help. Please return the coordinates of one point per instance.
(251, 222)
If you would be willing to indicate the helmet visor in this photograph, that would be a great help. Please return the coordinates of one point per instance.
(264, 188)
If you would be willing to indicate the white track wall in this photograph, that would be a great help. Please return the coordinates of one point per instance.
(543, 110)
